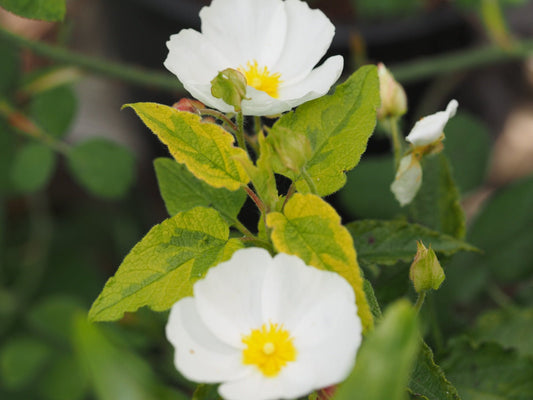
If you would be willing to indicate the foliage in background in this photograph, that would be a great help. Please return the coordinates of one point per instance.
(478, 323)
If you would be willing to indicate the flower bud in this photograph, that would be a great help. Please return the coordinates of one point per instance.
(393, 98)
(426, 272)
(230, 86)
(189, 105)
(292, 148)
(327, 393)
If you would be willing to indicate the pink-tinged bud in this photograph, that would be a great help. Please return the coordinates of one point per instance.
(327, 393)
(189, 105)
(426, 272)
(393, 97)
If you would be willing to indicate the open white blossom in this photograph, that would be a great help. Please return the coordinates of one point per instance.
(274, 43)
(266, 328)
(430, 129)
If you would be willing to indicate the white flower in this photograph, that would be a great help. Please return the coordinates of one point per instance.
(430, 129)
(274, 43)
(408, 180)
(266, 328)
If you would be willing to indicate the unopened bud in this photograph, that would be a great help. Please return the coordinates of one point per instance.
(230, 86)
(327, 393)
(426, 272)
(293, 149)
(189, 105)
(393, 98)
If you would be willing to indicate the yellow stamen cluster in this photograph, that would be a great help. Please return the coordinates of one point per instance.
(261, 78)
(269, 348)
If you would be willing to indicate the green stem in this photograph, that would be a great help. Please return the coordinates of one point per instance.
(123, 72)
(240, 130)
(396, 142)
(420, 301)
(218, 115)
(258, 202)
(258, 126)
(404, 73)
(461, 60)
(290, 192)
(494, 20)
(244, 230)
(309, 181)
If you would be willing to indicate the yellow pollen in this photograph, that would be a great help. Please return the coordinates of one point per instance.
(269, 348)
(261, 78)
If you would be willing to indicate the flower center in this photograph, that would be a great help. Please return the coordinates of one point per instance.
(261, 78)
(269, 348)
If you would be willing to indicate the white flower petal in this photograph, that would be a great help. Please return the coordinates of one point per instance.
(199, 355)
(251, 290)
(429, 129)
(407, 181)
(284, 37)
(246, 30)
(309, 34)
(229, 297)
(254, 387)
(192, 58)
(322, 319)
(314, 85)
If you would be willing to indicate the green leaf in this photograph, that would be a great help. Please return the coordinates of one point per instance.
(337, 127)
(115, 373)
(387, 242)
(205, 148)
(47, 10)
(64, 379)
(52, 316)
(21, 360)
(511, 328)
(32, 167)
(9, 67)
(182, 191)
(504, 231)
(54, 110)
(311, 229)
(428, 379)
(385, 358)
(437, 204)
(467, 145)
(103, 167)
(7, 154)
(488, 372)
(372, 175)
(160, 268)
(206, 392)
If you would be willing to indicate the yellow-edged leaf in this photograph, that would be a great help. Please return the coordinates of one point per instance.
(205, 148)
(311, 229)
